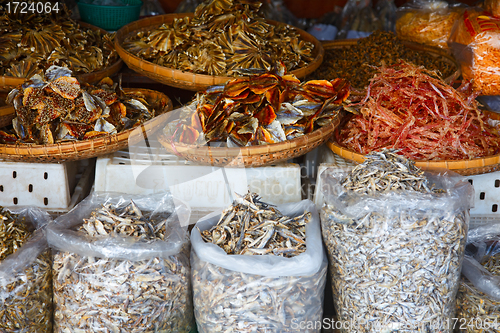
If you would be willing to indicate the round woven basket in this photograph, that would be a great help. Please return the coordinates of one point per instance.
(77, 150)
(432, 50)
(8, 83)
(471, 167)
(187, 80)
(253, 156)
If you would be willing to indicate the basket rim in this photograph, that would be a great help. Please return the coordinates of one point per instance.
(97, 146)
(134, 61)
(330, 44)
(12, 81)
(91, 5)
(474, 165)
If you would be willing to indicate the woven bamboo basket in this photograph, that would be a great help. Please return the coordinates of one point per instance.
(470, 167)
(253, 156)
(187, 80)
(7, 112)
(432, 50)
(77, 150)
(8, 83)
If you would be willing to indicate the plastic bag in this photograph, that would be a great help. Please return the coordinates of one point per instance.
(427, 22)
(359, 19)
(395, 257)
(26, 279)
(478, 299)
(262, 293)
(475, 43)
(113, 282)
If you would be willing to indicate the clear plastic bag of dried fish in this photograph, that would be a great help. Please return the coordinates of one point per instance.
(258, 268)
(56, 107)
(478, 299)
(25, 271)
(122, 265)
(396, 239)
(32, 42)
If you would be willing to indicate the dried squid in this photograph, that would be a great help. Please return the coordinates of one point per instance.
(223, 38)
(261, 109)
(57, 107)
(31, 43)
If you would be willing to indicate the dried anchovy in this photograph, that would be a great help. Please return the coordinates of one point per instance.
(386, 171)
(25, 296)
(354, 63)
(229, 301)
(225, 37)
(111, 295)
(31, 43)
(394, 270)
(250, 226)
(475, 310)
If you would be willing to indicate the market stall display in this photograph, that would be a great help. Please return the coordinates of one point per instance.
(257, 120)
(427, 22)
(25, 271)
(474, 42)
(31, 43)
(478, 299)
(58, 118)
(354, 60)
(408, 108)
(396, 239)
(221, 40)
(122, 264)
(277, 280)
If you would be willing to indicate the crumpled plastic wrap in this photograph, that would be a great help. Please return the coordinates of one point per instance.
(475, 43)
(478, 299)
(26, 278)
(112, 282)
(359, 19)
(259, 293)
(395, 258)
(427, 22)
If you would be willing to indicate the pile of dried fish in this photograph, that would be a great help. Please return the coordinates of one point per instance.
(262, 109)
(250, 226)
(476, 310)
(25, 296)
(396, 265)
(230, 301)
(31, 43)
(225, 37)
(112, 295)
(58, 108)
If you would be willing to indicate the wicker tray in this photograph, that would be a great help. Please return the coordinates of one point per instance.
(471, 167)
(254, 156)
(7, 112)
(434, 51)
(188, 80)
(77, 150)
(8, 83)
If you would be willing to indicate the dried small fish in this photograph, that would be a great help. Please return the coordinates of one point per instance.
(250, 226)
(396, 265)
(26, 295)
(476, 310)
(112, 295)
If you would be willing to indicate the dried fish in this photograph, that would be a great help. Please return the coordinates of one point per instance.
(225, 37)
(476, 310)
(396, 260)
(25, 295)
(59, 108)
(93, 294)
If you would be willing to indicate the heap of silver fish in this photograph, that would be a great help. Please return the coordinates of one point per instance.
(25, 296)
(394, 270)
(250, 226)
(476, 310)
(111, 295)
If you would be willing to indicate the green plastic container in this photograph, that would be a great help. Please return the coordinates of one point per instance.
(110, 18)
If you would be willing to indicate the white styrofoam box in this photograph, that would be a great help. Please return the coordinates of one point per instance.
(44, 185)
(204, 188)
